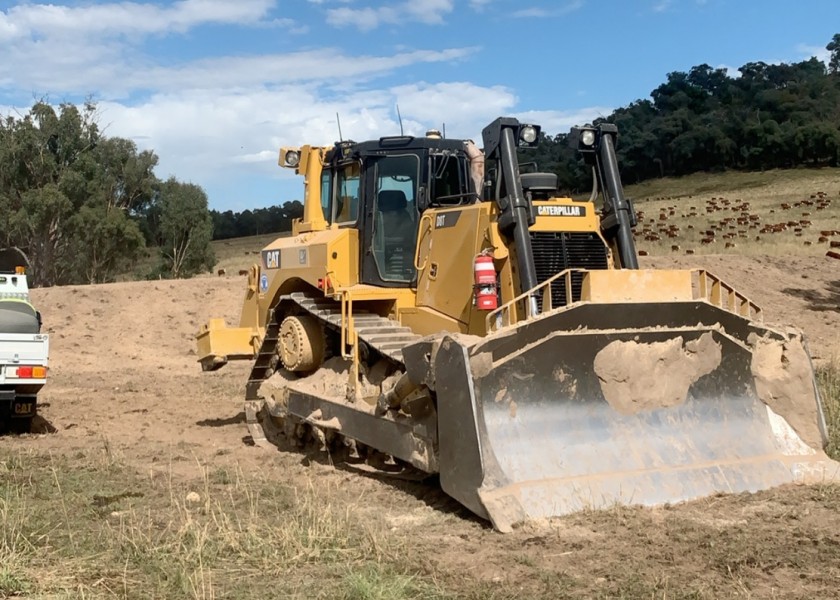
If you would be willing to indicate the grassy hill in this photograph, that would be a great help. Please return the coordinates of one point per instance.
(237, 254)
(691, 206)
(780, 212)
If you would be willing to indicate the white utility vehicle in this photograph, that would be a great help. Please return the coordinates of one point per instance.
(24, 350)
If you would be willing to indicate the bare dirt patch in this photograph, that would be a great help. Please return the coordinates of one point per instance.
(139, 426)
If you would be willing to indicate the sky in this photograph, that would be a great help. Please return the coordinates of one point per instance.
(215, 87)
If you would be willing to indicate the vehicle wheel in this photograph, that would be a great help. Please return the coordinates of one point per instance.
(301, 346)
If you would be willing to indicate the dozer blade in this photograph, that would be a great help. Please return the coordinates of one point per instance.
(557, 415)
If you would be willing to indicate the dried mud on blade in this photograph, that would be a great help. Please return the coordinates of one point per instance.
(543, 420)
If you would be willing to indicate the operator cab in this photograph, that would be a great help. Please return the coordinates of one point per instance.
(382, 187)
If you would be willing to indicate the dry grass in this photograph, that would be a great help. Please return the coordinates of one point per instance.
(238, 254)
(801, 204)
(232, 255)
(91, 527)
(828, 380)
(777, 182)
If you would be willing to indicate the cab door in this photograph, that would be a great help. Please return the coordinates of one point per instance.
(390, 220)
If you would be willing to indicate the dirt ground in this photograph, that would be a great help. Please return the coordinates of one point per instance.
(123, 375)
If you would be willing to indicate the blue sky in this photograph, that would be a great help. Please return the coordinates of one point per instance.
(215, 87)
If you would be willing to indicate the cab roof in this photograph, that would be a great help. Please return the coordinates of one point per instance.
(390, 144)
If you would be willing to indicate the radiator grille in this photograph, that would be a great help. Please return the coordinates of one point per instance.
(555, 251)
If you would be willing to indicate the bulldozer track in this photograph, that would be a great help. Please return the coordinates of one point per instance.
(380, 334)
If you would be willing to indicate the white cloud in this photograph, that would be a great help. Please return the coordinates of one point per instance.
(429, 12)
(79, 50)
(531, 12)
(804, 52)
(124, 18)
(206, 138)
(457, 102)
(555, 11)
(807, 51)
(732, 72)
(220, 121)
(479, 5)
(197, 132)
(262, 156)
(81, 72)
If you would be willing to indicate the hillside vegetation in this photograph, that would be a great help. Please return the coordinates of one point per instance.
(86, 207)
(703, 121)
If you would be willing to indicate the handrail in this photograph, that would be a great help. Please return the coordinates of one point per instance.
(420, 238)
(714, 290)
(705, 286)
(501, 317)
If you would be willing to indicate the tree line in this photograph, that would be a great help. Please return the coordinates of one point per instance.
(84, 207)
(770, 116)
(273, 219)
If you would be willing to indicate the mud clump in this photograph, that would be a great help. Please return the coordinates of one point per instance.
(638, 376)
(784, 381)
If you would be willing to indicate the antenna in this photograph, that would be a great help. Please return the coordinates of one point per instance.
(400, 118)
(444, 130)
(338, 121)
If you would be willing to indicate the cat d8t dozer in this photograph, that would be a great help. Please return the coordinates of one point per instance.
(471, 322)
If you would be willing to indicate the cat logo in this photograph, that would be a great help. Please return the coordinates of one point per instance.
(271, 259)
(24, 409)
(561, 210)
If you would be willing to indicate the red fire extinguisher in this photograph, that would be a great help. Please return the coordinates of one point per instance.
(486, 297)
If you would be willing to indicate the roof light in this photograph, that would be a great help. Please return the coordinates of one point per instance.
(528, 134)
(291, 158)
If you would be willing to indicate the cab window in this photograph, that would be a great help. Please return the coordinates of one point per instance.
(395, 217)
(449, 185)
(347, 193)
(326, 192)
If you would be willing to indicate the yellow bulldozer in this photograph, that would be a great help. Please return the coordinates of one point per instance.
(442, 307)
